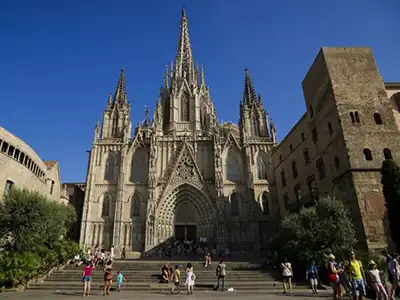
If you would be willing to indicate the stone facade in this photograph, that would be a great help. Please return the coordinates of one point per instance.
(182, 174)
(338, 145)
(20, 166)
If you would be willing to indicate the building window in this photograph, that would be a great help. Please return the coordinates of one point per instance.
(337, 163)
(286, 201)
(353, 120)
(297, 193)
(52, 187)
(291, 147)
(302, 137)
(321, 168)
(314, 135)
(378, 119)
(330, 129)
(311, 110)
(306, 156)
(4, 147)
(294, 169)
(11, 150)
(262, 166)
(265, 204)
(283, 179)
(110, 168)
(367, 154)
(185, 108)
(312, 188)
(234, 204)
(106, 206)
(387, 153)
(7, 188)
(135, 206)
(357, 117)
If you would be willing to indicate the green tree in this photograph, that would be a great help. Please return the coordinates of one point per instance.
(390, 180)
(29, 220)
(32, 236)
(313, 233)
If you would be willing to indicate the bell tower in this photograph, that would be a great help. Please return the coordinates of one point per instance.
(184, 107)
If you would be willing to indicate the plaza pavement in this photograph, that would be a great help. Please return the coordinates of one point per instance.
(236, 295)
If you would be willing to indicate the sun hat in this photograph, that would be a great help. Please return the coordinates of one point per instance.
(331, 256)
(371, 262)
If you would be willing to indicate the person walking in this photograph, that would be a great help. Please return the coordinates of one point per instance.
(177, 279)
(287, 275)
(355, 271)
(87, 278)
(221, 273)
(312, 276)
(190, 278)
(374, 277)
(395, 275)
(120, 280)
(333, 277)
(107, 279)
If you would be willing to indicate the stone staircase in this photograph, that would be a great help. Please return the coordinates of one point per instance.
(141, 275)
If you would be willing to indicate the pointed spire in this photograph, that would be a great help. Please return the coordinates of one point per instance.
(184, 59)
(249, 95)
(109, 102)
(146, 121)
(202, 77)
(120, 93)
(166, 78)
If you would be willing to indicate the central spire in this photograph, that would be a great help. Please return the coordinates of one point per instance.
(184, 66)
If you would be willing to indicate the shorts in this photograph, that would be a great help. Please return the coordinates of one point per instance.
(358, 287)
(314, 281)
(176, 283)
(87, 279)
(286, 277)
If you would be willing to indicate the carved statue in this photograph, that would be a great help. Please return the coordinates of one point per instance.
(97, 131)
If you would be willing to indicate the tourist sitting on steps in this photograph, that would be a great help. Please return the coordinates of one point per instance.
(164, 274)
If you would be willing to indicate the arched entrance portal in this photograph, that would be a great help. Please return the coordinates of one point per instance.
(185, 213)
(186, 221)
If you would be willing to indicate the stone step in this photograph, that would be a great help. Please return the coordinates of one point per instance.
(152, 279)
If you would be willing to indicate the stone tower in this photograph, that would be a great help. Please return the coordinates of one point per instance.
(182, 175)
(353, 130)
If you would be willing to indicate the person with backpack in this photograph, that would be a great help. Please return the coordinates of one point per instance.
(312, 276)
(333, 276)
(355, 271)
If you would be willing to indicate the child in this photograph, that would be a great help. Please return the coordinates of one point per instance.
(120, 280)
(312, 275)
(177, 279)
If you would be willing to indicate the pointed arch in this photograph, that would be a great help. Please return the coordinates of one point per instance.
(233, 165)
(265, 196)
(136, 203)
(262, 165)
(110, 167)
(234, 200)
(254, 125)
(106, 205)
(140, 166)
(203, 113)
(185, 108)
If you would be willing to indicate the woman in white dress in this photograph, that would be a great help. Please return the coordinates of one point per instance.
(190, 278)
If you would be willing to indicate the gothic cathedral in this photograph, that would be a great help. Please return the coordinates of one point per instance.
(183, 175)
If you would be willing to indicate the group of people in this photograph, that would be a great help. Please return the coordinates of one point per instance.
(108, 277)
(96, 256)
(170, 275)
(350, 277)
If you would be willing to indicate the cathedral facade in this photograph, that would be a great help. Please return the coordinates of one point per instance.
(180, 174)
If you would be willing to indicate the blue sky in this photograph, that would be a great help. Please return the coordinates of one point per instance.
(60, 59)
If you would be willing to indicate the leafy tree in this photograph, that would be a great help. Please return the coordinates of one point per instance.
(29, 220)
(32, 236)
(391, 191)
(313, 233)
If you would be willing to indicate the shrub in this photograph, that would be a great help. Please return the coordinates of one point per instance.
(313, 233)
(32, 231)
(391, 191)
